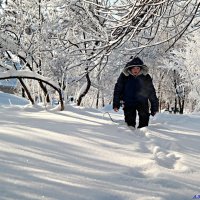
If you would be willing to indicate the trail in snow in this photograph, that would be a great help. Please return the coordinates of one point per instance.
(79, 154)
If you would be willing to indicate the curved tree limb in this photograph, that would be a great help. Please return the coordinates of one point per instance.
(32, 75)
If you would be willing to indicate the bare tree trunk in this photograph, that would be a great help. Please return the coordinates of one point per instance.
(175, 87)
(23, 93)
(97, 101)
(62, 106)
(103, 101)
(86, 90)
(25, 89)
(159, 90)
(175, 105)
(44, 89)
(181, 105)
(160, 101)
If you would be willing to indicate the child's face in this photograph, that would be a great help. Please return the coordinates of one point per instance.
(135, 70)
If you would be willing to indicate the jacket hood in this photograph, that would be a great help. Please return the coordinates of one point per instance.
(135, 62)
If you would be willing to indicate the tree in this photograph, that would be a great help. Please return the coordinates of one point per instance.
(69, 41)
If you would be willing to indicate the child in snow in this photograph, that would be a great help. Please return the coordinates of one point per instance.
(135, 88)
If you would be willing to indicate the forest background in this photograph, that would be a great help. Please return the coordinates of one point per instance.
(75, 50)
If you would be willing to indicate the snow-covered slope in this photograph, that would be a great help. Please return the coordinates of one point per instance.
(10, 99)
(79, 154)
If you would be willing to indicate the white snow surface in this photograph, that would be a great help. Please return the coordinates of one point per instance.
(10, 99)
(80, 154)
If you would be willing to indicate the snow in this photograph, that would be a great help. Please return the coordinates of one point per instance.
(9, 83)
(9, 99)
(80, 154)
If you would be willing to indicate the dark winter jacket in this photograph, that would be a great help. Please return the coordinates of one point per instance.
(135, 90)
